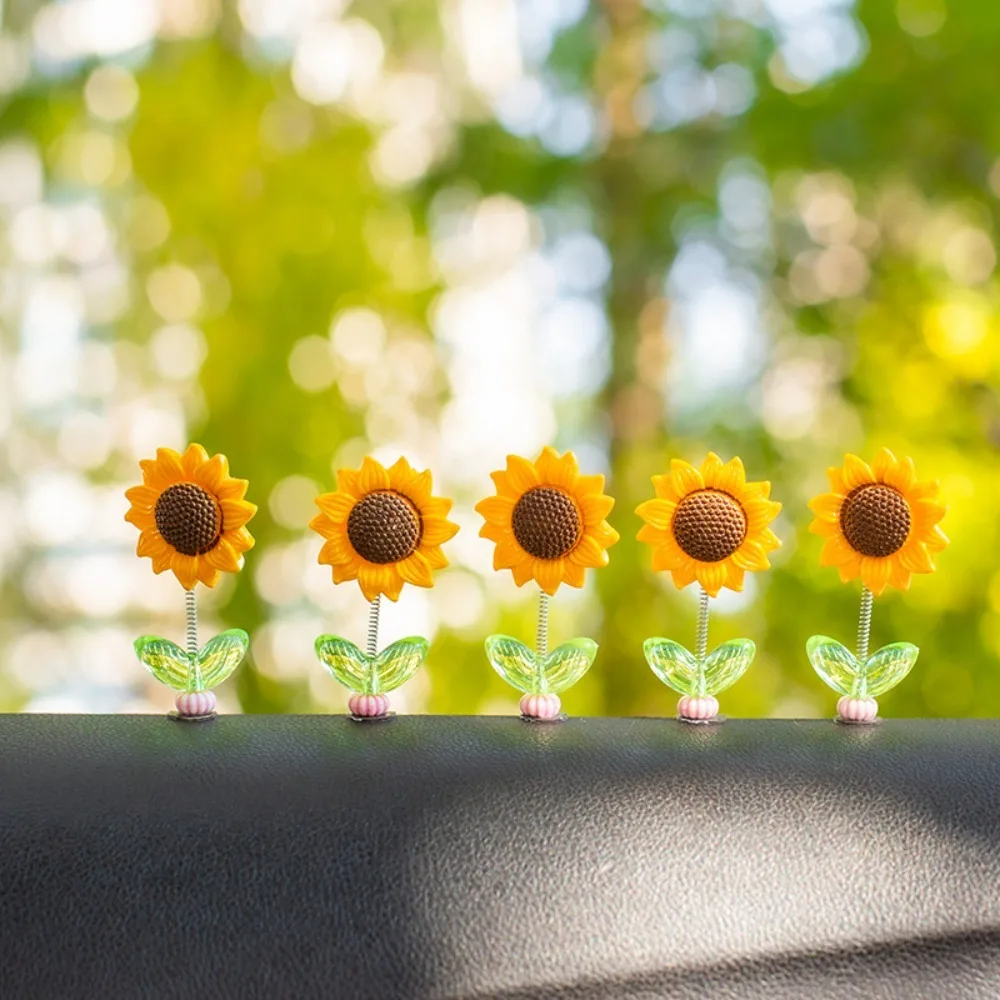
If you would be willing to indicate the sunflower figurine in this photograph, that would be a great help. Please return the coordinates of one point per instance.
(383, 528)
(709, 526)
(548, 524)
(192, 516)
(880, 524)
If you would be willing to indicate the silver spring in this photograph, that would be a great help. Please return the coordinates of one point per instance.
(865, 623)
(542, 632)
(374, 612)
(191, 614)
(701, 635)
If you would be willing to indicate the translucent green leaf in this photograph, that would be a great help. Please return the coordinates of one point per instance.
(840, 668)
(680, 669)
(522, 668)
(219, 657)
(357, 671)
(165, 660)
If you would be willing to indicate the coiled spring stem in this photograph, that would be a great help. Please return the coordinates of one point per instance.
(542, 632)
(865, 624)
(191, 614)
(701, 635)
(374, 612)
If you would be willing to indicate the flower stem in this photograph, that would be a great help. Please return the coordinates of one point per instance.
(374, 613)
(191, 616)
(865, 624)
(701, 635)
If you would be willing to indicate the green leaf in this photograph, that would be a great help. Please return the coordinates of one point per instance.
(165, 660)
(357, 671)
(522, 668)
(841, 670)
(679, 668)
(220, 656)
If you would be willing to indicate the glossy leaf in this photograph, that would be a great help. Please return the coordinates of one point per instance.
(357, 671)
(522, 668)
(679, 668)
(842, 671)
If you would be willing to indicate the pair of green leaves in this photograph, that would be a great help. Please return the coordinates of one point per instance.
(869, 678)
(530, 673)
(178, 669)
(681, 670)
(378, 674)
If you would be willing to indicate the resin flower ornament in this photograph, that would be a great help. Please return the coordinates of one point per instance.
(192, 519)
(549, 525)
(709, 526)
(383, 528)
(881, 524)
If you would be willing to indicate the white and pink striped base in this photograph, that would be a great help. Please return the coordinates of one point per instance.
(857, 710)
(544, 707)
(693, 709)
(368, 706)
(195, 704)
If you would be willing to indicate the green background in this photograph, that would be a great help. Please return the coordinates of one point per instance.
(852, 202)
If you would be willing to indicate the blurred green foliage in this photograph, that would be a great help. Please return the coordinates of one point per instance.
(877, 291)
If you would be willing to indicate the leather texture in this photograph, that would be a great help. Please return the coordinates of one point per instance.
(317, 857)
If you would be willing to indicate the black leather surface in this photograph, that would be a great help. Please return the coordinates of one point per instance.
(306, 857)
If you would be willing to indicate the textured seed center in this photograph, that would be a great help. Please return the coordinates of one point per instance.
(189, 518)
(875, 520)
(546, 523)
(709, 525)
(384, 527)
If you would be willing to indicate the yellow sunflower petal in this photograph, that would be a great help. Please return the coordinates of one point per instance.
(557, 470)
(575, 576)
(372, 476)
(496, 510)
(223, 557)
(711, 576)
(915, 557)
(521, 475)
(185, 569)
(336, 550)
(685, 478)
(589, 553)
(437, 531)
(522, 571)
(653, 536)
(143, 497)
(436, 559)
(348, 482)
(750, 555)
(508, 554)
(824, 528)
(884, 464)
(141, 517)
(595, 508)
(416, 570)
(732, 478)
(760, 513)
(336, 506)
(192, 459)
(345, 572)
(589, 485)
(935, 539)
(236, 513)
(734, 577)
(900, 576)
(208, 575)
(850, 570)
(212, 473)
(685, 574)
(875, 573)
(663, 486)
(240, 539)
(927, 513)
(836, 476)
(170, 464)
(549, 574)
(415, 485)
(150, 543)
(232, 489)
(669, 557)
(711, 468)
(902, 476)
(827, 506)
(836, 551)
(604, 534)
(856, 472)
(658, 513)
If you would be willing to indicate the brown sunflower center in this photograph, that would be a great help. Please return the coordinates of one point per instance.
(709, 525)
(546, 523)
(384, 527)
(875, 520)
(188, 518)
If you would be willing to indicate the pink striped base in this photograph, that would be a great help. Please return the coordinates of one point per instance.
(195, 704)
(862, 711)
(692, 709)
(545, 707)
(368, 706)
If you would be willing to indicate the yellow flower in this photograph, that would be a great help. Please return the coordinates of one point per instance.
(191, 515)
(383, 528)
(548, 521)
(879, 522)
(709, 525)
